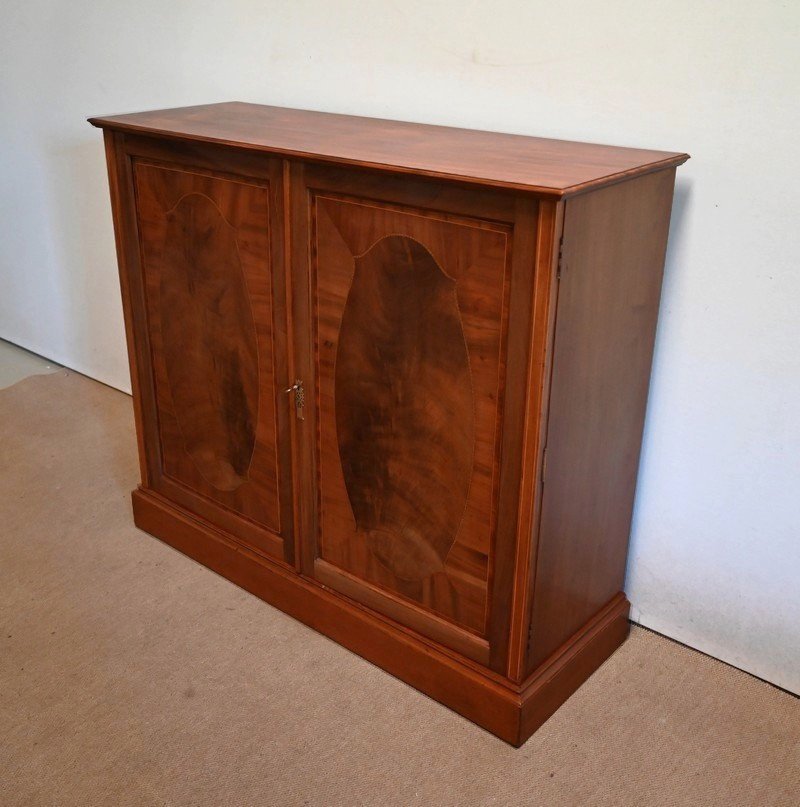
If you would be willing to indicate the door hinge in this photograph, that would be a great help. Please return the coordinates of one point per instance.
(299, 398)
(560, 257)
(544, 464)
(529, 643)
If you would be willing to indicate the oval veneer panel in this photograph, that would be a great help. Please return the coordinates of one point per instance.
(404, 407)
(210, 348)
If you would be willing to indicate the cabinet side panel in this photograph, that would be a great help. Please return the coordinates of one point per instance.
(612, 264)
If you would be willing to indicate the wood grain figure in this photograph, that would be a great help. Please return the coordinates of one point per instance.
(404, 407)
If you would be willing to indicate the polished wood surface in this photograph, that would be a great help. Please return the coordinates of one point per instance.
(612, 259)
(206, 262)
(533, 363)
(453, 499)
(411, 316)
(211, 349)
(198, 264)
(404, 407)
(555, 167)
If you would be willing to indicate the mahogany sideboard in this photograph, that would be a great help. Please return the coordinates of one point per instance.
(391, 378)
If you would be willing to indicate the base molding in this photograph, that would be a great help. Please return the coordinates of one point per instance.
(509, 710)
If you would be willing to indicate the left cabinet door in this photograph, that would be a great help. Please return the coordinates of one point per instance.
(206, 292)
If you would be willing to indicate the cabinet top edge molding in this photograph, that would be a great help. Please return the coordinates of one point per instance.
(534, 164)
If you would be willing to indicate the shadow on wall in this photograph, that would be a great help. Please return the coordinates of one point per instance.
(677, 229)
(675, 268)
(85, 259)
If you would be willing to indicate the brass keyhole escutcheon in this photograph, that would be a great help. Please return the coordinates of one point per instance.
(299, 398)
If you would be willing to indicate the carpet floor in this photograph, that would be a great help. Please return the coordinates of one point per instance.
(131, 675)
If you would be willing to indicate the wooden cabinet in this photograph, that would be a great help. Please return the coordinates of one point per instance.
(392, 379)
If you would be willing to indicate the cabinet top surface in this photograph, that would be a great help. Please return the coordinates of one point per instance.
(552, 167)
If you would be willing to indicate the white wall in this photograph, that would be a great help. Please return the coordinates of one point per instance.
(715, 558)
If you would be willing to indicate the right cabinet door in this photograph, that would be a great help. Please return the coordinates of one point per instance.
(409, 284)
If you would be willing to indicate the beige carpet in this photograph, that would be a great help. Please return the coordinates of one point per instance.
(130, 675)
